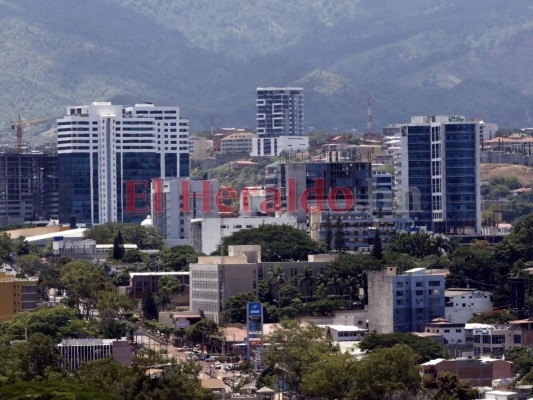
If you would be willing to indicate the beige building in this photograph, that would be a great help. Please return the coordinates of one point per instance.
(198, 148)
(16, 295)
(237, 143)
(213, 279)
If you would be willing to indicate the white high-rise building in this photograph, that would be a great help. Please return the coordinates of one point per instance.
(108, 154)
(280, 125)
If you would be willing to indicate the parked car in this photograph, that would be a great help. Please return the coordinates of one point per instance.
(218, 365)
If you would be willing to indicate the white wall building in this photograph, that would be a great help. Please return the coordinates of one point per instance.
(463, 304)
(278, 146)
(102, 146)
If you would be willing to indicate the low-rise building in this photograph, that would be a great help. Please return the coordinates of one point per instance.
(478, 372)
(213, 279)
(77, 351)
(495, 339)
(237, 143)
(16, 294)
(463, 304)
(141, 281)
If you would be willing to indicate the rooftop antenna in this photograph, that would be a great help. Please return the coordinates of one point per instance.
(370, 122)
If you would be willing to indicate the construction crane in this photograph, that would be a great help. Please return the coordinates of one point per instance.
(21, 123)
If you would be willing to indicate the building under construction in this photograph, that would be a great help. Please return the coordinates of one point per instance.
(28, 185)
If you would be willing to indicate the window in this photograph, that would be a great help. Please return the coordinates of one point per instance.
(434, 283)
(419, 292)
(486, 339)
(399, 284)
(399, 293)
(399, 302)
(517, 339)
(419, 284)
(498, 339)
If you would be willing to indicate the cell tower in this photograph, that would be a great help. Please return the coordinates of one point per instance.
(370, 123)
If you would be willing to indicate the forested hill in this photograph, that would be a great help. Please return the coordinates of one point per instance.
(414, 56)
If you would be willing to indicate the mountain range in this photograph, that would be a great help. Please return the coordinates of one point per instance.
(413, 57)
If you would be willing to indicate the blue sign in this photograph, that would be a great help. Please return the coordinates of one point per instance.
(255, 309)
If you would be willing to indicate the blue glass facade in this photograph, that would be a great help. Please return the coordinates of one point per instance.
(461, 171)
(75, 186)
(75, 183)
(419, 146)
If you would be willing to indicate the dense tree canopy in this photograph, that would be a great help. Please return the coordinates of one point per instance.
(145, 237)
(278, 242)
(426, 348)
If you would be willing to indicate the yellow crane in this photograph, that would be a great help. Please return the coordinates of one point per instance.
(22, 123)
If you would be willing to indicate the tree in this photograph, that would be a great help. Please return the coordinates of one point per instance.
(53, 389)
(278, 242)
(377, 249)
(305, 282)
(235, 307)
(417, 245)
(276, 277)
(30, 265)
(331, 377)
(167, 288)
(426, 348)
(178, 258)
(293, 350)
(386, 371)
(449, 387)
(145, 237)
(84, 281)
(148, 306)
(110, 376)
(202, 331)
(118, 247)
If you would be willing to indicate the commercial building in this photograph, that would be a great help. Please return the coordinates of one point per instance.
(28, 186)
(108, 154)
(16, 295)
(198, 148)
(142, 281)
(319, 186)
(404, 303)
(77, 351)
(177, 201)
(439, 174)
(279, 115)
(213, 279)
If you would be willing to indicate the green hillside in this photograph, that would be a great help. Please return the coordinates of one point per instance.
(208, 56)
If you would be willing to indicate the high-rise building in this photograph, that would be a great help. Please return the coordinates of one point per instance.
(108, 155)
(280, 125)
(28, 186)
(439, 182)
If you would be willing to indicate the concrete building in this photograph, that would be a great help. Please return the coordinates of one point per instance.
(279, 115)
(404, 303)
(16, 295)
(177, 201)
(344, 333)
(463, 304)
(213, 279)
(439, 169)
(495, 339)
(108, 155)
(279, 146)
(77, 351)
(453, 335)
(478, 372)
(28, 186)
(237, 143)
(207, 233)
(198, 148)
(141, 281)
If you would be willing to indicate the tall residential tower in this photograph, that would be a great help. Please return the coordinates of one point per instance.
(279, 121)
(108, 155)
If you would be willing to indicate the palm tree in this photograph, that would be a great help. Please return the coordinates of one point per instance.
(276, 277)
(351, 286)
(305, 282)
(321, 284)
(335, 282)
